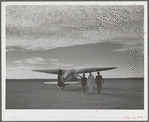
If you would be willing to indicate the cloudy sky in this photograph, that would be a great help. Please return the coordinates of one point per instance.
(80, 36)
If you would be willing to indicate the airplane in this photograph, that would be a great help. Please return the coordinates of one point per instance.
(66, 75)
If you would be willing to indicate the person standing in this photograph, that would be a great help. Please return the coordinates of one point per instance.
(99, 82)
(90, 82)
(84, 81)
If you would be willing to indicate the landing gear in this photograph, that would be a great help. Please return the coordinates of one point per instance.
(99, 92)
(62, 87)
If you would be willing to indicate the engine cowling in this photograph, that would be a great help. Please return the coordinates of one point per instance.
(63, 77)
(68, 73)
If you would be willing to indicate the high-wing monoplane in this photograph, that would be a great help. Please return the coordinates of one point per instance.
(65, 75)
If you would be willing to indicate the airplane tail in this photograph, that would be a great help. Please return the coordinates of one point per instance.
(60, 79)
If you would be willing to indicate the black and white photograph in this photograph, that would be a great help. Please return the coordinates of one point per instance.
(74, 61)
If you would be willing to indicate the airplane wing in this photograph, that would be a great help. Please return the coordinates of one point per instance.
(87, 70)
(49, 71)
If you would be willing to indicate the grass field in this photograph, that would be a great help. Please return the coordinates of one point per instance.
(34, 94)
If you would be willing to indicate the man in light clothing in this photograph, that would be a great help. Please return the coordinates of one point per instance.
(90, 82)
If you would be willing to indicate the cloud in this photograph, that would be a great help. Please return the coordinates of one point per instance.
(53, 60)
(34, 60)
(47, 27)
(20, 68)
(45, 42)
(63, 64)
(81, 17)
(89, 65)
(24, 72)
(136, 54)
(136, 61)
(14, 48)
(120, 50)
(130, 44)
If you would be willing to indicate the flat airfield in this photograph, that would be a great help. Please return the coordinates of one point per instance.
(34, 94)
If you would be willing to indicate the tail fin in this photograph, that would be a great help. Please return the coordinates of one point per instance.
(60, 78)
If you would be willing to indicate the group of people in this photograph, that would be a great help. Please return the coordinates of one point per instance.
(91, 81)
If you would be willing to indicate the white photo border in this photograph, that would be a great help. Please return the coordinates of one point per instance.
(72, 114)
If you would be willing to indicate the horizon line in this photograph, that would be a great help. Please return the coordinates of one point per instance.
(56, 79)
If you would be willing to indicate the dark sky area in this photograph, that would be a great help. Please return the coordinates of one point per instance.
(79, 36)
